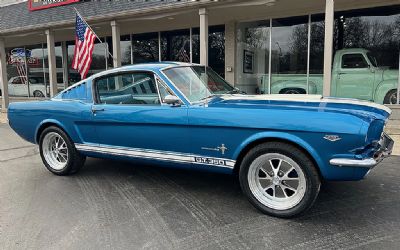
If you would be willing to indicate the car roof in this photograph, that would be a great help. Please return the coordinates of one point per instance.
(144, 66)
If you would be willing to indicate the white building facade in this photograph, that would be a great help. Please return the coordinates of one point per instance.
(260, 46)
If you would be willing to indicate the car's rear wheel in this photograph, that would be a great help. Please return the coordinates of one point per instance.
(38, 93)
(279, 179)
(58, 153)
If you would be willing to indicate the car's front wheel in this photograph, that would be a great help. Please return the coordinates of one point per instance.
(279, 179)
(58, 153)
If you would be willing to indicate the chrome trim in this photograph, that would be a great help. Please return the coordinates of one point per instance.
(173, 84)
(344, 162)
(182, 65)
(157, 155)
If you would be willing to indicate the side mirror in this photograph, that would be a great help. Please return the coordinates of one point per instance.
(172, 100)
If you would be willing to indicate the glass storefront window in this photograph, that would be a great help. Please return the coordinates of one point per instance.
(26, 71)
(126, 50)
(216, 49)
(175, 45)
(252, 67)
(145, 48)
(373, 34)
(317, 45)
(17, 71)
(289, 55)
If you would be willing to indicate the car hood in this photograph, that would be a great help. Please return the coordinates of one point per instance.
(389, 74)
(363, 109)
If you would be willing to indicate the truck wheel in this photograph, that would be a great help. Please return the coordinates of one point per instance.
(38, 93)
(279, 179)
(58, 153)
(292, 91)
(391, 97)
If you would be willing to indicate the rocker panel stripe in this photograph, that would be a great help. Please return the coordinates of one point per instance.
(157, 155)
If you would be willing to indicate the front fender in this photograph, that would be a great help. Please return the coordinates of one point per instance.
(283, 136)
(382, 89)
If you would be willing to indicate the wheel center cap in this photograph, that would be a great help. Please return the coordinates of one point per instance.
(276, 180)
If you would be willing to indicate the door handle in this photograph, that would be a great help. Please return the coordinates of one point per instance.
(95, 110)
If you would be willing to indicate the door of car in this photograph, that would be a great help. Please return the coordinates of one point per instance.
(130, 112)
(18, 87)
(354, 79)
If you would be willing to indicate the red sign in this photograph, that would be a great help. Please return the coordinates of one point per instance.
(45, 4)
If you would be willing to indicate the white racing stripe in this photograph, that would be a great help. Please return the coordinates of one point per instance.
(158, 155)
(307, 98)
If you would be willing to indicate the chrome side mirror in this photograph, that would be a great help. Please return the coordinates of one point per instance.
(371, 68)
(172, 100)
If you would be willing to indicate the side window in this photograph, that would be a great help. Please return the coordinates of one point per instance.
(164, 90)
(134, 88)
(17, 80)
(354, 61)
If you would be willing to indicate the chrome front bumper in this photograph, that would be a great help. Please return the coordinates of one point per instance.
(386, 146)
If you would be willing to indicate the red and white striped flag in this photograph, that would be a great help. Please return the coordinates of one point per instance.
(84, 44)
(22, 72)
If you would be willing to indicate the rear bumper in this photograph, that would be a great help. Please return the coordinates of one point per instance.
(385, 149)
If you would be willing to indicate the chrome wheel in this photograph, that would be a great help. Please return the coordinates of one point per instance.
(276, 181)
(55, 150)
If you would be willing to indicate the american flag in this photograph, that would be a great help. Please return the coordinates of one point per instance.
(84, 44)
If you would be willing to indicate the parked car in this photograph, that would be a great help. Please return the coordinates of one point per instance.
(17, 86)
(186, 115)
(355, 74)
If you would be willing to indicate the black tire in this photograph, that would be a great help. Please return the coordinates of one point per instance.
(38, 93)
(75, 159)
(312, 179)
(389, 97)
(293, 91)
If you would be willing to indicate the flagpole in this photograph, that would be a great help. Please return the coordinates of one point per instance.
(79, 14)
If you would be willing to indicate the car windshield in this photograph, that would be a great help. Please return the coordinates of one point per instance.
(191, 81)
(372, 59)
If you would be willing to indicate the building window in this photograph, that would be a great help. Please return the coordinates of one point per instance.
(216, 49)
(175, 45)
(375, 35)
(27, 71)
(145, 48)
(126, 50)
(252, 69)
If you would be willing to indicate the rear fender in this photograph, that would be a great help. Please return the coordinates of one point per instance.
(46, 123)
(382, 89)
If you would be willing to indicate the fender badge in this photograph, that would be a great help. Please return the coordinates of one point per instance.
(332, 138)
(221, 148)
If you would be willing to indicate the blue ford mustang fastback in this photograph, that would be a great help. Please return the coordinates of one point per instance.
(185, 115)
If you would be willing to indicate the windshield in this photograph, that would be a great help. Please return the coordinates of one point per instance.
(191, 81)
(372, 59)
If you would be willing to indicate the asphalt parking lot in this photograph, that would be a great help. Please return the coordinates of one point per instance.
(119, 205)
